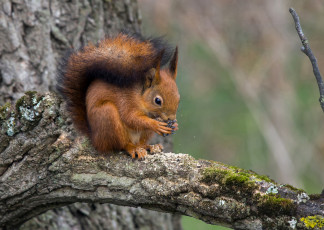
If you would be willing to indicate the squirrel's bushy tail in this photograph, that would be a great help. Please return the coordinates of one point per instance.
(122, 60)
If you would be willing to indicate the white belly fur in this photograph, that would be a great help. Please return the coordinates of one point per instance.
(134, 136)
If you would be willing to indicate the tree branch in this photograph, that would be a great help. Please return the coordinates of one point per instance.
(44, 164)
(308, 51)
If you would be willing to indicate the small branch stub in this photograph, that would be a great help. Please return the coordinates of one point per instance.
(308, 51)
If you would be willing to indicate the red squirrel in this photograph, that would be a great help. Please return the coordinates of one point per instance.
(121, 91)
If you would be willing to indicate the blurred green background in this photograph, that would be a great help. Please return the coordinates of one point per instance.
(248, 95)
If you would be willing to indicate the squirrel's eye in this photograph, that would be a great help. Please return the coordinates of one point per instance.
(158, 101)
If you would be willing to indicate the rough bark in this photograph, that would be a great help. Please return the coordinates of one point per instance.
(102, 216)
(34, 35)
(63, 168)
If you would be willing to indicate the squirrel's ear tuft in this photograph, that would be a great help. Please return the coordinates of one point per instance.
(174, 63)
(158, 59)
(149, 77)
(152, 77)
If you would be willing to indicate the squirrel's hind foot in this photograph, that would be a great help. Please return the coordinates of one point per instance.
(140, 152)
(157, 148)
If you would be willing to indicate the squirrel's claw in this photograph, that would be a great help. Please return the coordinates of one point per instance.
(132, 153)
(161, 128)
(175, 126)
(140, 152)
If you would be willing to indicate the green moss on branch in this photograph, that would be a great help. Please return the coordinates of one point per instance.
(272, 205)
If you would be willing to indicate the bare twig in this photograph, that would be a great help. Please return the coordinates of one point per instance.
(308, 51)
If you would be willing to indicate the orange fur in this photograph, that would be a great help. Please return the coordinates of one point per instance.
(111, 91)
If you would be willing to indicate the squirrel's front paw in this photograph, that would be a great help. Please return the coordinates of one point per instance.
(161, 127)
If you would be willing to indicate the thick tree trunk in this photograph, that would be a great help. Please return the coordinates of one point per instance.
(34, 35)
(63, 168)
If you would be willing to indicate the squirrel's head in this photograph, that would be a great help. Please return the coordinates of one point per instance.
(160, 92)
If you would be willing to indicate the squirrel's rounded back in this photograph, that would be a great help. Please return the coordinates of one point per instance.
(122, 60)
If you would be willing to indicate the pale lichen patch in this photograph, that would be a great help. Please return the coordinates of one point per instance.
(292, 223)
(10, 126)
(272, 190)
(221, 202)
(28, 113)
(103, 178)
(302, 198)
